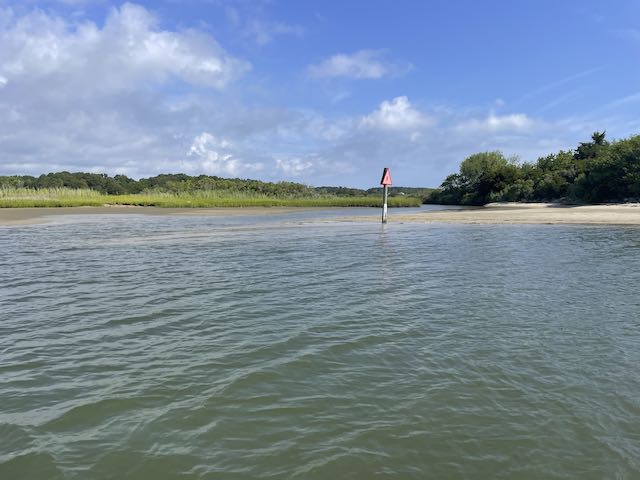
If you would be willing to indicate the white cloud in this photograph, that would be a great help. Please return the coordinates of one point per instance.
(127, 51)
(398, 115)
(370, 64)
(214, 156)
(205, 141)
(83, 96)
(497, 123)
(294, 167)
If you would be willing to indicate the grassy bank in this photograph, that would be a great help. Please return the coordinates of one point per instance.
(66, 197)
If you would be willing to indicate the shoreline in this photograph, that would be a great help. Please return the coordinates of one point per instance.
(496, 213)
(36, 215)
(529, 214)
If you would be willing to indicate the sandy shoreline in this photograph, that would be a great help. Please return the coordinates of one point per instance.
(532, 213)
(522, 213)
(26, 216)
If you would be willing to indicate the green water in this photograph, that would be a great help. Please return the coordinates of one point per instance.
(283, 347)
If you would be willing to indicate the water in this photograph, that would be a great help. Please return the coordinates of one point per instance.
(290, 348)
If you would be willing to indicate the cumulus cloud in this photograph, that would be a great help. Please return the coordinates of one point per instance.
(76, 95)
(497, 123)
(82, 96)
(294, 167)
(129, 49)
(214, 156)
(370, 64)
(396, 115)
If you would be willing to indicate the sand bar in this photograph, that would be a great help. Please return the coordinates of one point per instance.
(25, 216)
(500, 213)
(533, 213)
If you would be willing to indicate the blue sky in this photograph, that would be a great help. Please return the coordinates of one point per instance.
(316, 92)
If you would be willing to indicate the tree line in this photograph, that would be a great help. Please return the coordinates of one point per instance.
(376, 191)
(182, 183)
(596, 171)
(171, 183)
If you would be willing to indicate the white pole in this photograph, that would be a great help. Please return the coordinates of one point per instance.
(384, 203)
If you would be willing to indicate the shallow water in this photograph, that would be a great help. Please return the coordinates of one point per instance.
(285, 347)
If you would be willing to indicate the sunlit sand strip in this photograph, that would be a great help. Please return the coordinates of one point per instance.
(625, 214)
(502, 213)
(25, 216)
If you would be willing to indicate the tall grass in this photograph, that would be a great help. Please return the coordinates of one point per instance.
(66, 197)
(50, 197)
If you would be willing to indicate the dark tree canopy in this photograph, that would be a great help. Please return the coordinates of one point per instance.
(178, 183)
(596, 171)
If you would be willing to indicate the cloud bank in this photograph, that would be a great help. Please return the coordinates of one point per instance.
(131, 97)
(129, 50)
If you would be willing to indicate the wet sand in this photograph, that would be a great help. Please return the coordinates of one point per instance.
(532, 213)
(25, 216)
(522, 213)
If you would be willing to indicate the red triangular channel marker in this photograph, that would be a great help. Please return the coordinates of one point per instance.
(386, 177)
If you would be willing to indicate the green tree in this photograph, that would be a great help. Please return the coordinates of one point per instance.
(485, 175)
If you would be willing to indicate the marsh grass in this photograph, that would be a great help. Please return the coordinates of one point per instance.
(66, 197)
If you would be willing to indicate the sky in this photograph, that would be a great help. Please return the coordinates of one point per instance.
(319, 92)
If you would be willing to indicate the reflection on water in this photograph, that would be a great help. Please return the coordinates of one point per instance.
(284, 347)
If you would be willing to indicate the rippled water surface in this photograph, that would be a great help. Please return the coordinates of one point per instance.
(284, 347)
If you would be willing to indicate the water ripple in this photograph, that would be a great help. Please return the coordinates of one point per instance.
(264, 348)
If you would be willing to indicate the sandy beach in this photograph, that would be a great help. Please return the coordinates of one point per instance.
(529, 213)
(501, 213)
